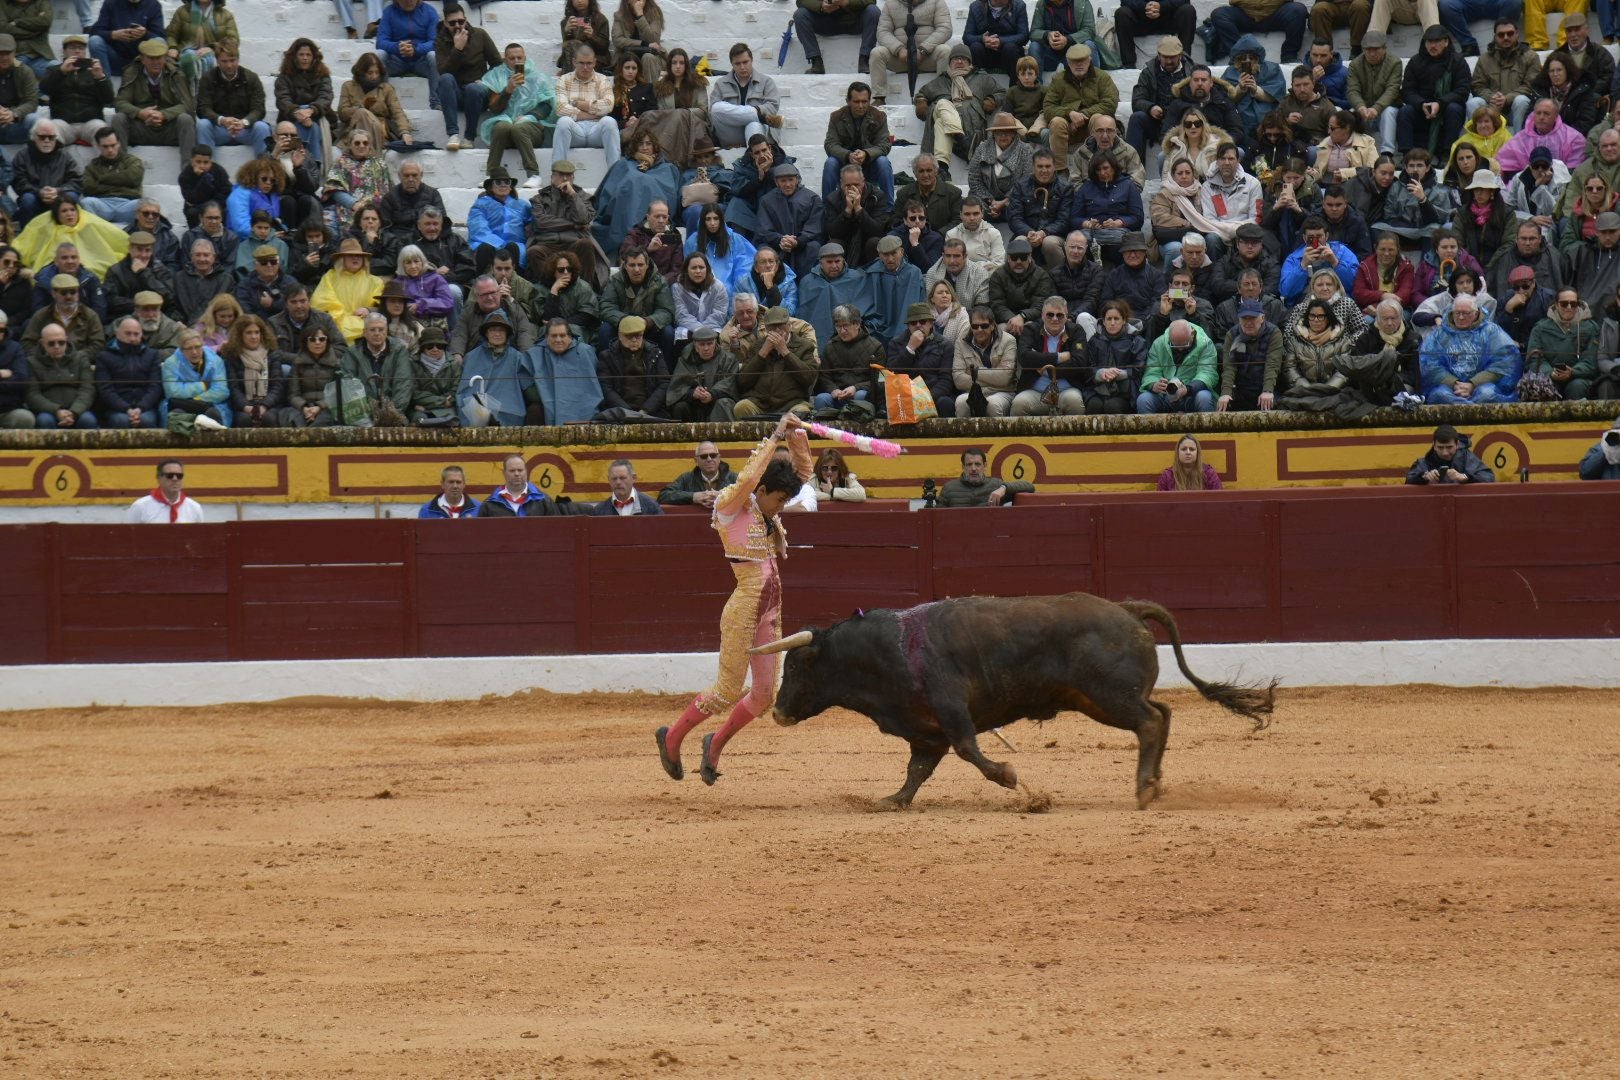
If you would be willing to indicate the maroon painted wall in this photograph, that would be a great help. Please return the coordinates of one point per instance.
(1289, 565)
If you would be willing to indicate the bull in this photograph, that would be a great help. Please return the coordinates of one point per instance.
(939, 674)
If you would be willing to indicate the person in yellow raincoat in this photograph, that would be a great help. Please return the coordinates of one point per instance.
(101, 244)
(349, 290)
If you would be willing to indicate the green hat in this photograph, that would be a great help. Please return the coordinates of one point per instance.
(151, 47)
(919, 312)
(632, 324)
(64, 281)
(776, 316)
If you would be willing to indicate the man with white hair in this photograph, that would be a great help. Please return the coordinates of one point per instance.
(1468, 360)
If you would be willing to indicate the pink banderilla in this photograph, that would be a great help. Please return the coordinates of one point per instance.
(864, 443)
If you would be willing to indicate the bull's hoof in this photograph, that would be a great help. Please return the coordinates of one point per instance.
(892, 802)
(1008, 778)
(707, 771)
(1147, 794)
(672, 766)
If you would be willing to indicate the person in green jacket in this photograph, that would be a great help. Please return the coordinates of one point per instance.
(61, 385)
(113, 180)
(1564, 346)
(1074, 97)
(166, 117)
(29, 21)
(381, 364)
(1181, 372)
(434, 376)
(197, 28)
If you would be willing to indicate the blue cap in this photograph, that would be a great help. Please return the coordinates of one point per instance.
(1250, 307)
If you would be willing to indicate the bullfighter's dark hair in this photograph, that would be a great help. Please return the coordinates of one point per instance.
(780, 476)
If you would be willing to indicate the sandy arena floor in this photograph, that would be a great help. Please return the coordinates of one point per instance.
(1387, 883)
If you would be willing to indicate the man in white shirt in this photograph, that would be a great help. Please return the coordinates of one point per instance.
(625, 501)
(167, 504)
(985, 245)
(584, 100)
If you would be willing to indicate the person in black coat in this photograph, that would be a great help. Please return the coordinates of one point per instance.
(920, 352)
(1434, 91)
(1133, 280)
(1248, 251)
(633, 372)
(1079, 277)
(202, 180)
(857, 215)
(14, 378)
(1051, 364)
(129, 380)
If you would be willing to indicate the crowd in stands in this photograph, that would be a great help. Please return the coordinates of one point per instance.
(1331, 237)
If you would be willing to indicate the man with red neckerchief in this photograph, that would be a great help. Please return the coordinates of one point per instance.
(167, 504)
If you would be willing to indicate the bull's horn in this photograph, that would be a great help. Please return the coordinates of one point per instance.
(792, 641)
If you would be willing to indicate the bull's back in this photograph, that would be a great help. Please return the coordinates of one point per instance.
(1037, 655)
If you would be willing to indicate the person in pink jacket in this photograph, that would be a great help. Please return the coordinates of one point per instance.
(1546, 128)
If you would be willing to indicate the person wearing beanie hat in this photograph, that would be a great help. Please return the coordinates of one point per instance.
(950, 105)
(1602, 462)
(929, 44)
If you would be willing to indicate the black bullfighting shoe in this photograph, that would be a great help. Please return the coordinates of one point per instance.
(671, 765)
(708, 772)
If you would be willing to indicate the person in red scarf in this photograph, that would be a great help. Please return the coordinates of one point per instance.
(167, 504)
(452, 503)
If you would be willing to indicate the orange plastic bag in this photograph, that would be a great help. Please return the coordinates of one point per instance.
(908, 398)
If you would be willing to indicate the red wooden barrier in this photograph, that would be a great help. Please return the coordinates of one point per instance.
(1288, 565)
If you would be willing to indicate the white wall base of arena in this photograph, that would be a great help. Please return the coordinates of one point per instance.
(1520, 663)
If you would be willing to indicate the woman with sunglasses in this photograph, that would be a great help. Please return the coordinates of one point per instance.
(16, 288)
(1312, 351)
(1195, 139)
(315, 365)
(1563, 351)
(834, 482)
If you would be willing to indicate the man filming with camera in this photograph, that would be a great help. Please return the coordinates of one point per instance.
(78, 89)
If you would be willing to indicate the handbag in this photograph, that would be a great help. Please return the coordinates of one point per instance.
(1534, 386)
(907, 397)
(701, 191)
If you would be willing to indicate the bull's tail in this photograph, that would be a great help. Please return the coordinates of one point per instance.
(1254, 700)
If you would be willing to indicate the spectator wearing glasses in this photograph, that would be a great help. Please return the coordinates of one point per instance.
(1051, 358)
(1525, 305)
(833, 480)
(1563, 350)
(263, 291)
(61, 386)
(464, 55)
(42, 172)
(168, 504)
(700, 485)
(986, 357)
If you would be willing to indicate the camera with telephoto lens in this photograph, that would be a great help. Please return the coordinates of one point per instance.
(1611, 437)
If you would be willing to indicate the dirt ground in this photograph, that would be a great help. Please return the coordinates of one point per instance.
(1386, 883)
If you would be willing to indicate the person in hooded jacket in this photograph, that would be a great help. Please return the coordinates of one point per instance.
(1258, 83)
(498, 220)
(1564, 347)
(1468, 360)
(1449, 461)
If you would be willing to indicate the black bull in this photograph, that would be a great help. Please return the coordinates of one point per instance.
(938, 675)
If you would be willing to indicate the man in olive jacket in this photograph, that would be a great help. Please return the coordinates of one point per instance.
(778, 368)
(155, 106)
(858, 134)
(974, 488)
(703, 386)
(1074, 97)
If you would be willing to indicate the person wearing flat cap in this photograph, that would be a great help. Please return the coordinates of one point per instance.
(921, 351)
(632, 371)
(263, 291)
(703, 386)
(155, 105)
(894, 280)
(1174, 20)
(779, 371)
(1080, 92)
(955, 107)
(19, 95)
(348, 291)
(85, 335)
(790, 220)
(138, 272)
(832, 282)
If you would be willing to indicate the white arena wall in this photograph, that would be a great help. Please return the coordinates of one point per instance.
(1515, 663)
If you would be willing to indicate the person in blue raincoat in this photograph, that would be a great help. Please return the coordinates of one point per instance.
(643, 175)
(830, 283)
(194, 380)
(731, 256)
(895, 284)
(565, 373)
(772, 281)
(750, 181)
(1469, 360)
(1258, 83)
(498, 221)
(497, 379)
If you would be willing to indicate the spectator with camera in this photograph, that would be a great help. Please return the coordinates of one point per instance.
(1602, 462)
(1449, 461)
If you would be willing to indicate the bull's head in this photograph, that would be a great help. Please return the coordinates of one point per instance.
(801, 692)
